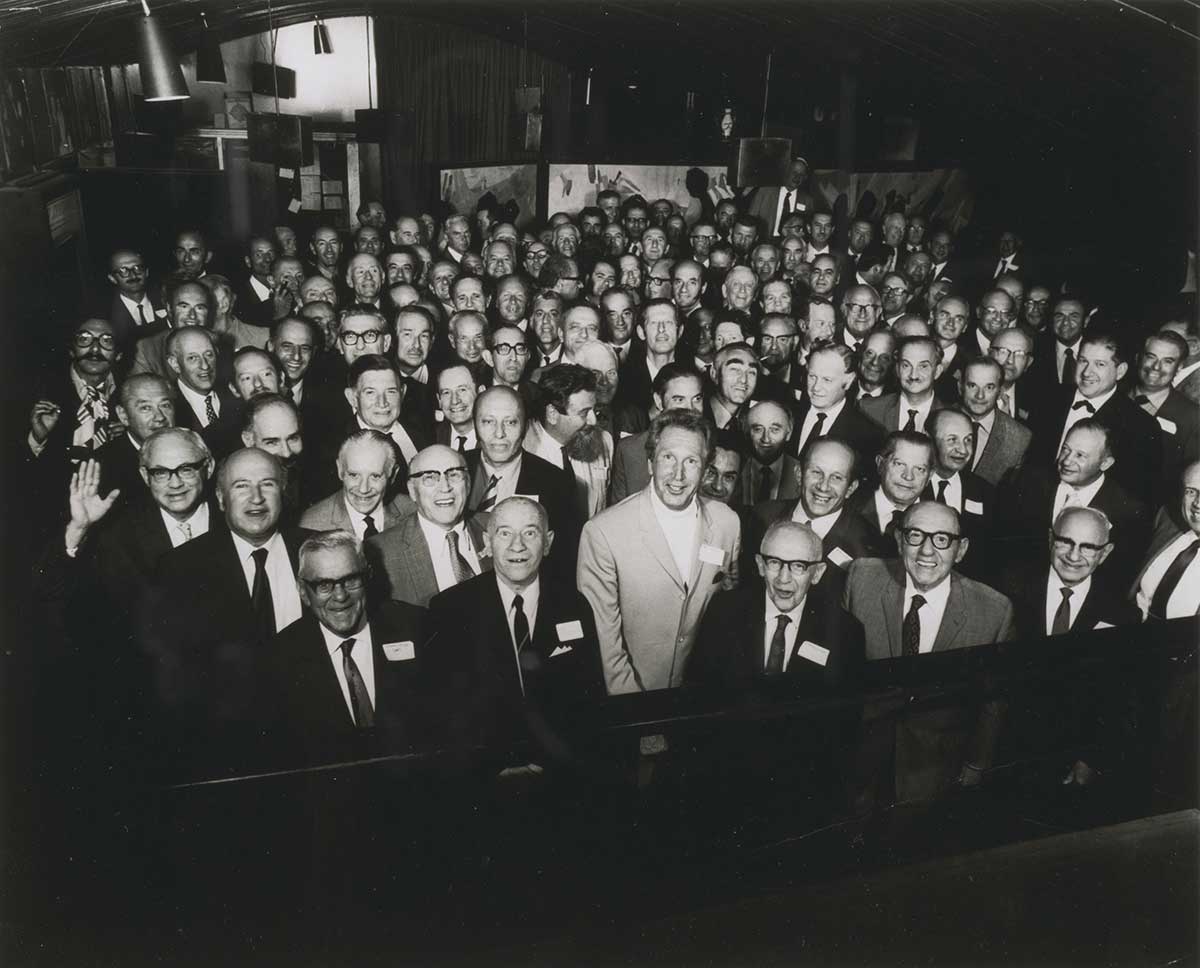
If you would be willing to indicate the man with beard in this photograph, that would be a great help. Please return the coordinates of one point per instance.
(364, 277)
(996, 313)
(619, 315)
(650, 565)
(1000, 441)
(783, 377)
(544, 321)
(735, 375)
(918, 365)
(903, 468)
(564, 433)
(770, 473)
(875, 366)
(366, 468)
(204, 407)
(824, 410)
(657, 345)
(456, 391)
(1176, 415)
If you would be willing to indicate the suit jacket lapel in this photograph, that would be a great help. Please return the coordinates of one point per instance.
(475, 530)
(891, 599)
(952, 618)
(413, 551)
(655, 541)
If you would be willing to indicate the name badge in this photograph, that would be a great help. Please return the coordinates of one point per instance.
(712, 556)
(1167, 425)
(160, 313)
(623, 434)
(1104, 625)
(569, 631)
(814, 653)
(973, 507)
(799, 394)
(531, 497)
(560, 650)
(398, 651)
(840, 558)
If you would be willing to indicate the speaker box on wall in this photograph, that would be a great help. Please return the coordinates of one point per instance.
(261, 83)
(283, 140)
(762, 161)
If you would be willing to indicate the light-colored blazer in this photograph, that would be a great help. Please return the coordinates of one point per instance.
(330, 514)
(400, 560)
(1004, 450)
(647, 614)
(1166, 530)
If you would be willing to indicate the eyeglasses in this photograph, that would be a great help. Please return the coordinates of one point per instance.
(369, 338)
(187, 473)
(797, 566)
(895, 290)
(859, 307)
(991, 311)
(126, 271)
(1002, 354)
(942, 316)
(664, 280)
(84, 339)
(508, 349)
(324, 587)
(915, 537)
(431, 479)
(1082, 548)
(703, 238)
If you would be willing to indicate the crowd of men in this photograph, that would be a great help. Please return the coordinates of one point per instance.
(435, 484)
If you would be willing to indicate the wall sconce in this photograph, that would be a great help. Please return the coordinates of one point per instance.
(162, 77)
(321, 43)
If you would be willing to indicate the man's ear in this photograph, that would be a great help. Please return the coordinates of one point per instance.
(849, 491)
(487, 544)
(548, 542)
(817, 572)
(963, 544)
(173, 365)
(352, 399)
(245, 259)
(111, 277)
(1122, 369)
(1106, 463)
(247, 438)
(123, 415)
(641, 331)
(220, 499)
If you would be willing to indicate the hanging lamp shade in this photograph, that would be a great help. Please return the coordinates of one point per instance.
(210, 67)
(162, 77)
(321, 43)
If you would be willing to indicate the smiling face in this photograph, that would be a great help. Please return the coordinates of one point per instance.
(820, 230)
(177, 496)
(980, 386)
(191, 255)
(150, 407)
(1157, 365)
(687, 283)
(582, 325)
(194, 361)
(954, 443)
(827, 480)
(917, 367)
(738, 378)
(444, 500)
(1097, 370)
(1078, 545)
(518, 541)
(326, 247)
(365, 277)
(996, 312)
(677, 466)
(365, 468)
(1083, 457)
(764, 261)
(740, 288)
(254, 374)
(344, 610)
(376, 398)
(827, 380)
(456, 394)
(926, 565)
(250, 492)
(1012, 350)
(277, 431)
(189, 306)
(878, 353)
(721, 475)
(794, 543)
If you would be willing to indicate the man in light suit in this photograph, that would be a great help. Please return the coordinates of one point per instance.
(366, 465)
(909, 608)
(341, 684)
(438, 546)
(650, 565)
(1000, 440)
(1168, 583)
(513, 654)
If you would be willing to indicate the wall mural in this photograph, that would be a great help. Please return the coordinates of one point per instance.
(461, 188)
(574, 187)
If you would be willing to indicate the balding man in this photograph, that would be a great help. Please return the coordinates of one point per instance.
(1168, 584)
(145, 403)
(1000, 440)
(256, 297)
(826, 411)
(438, 546)
(366, 467)
(188, 304)
(364, 276)
(614, 413)
(136, 310)
(203, 405)
(770, 472)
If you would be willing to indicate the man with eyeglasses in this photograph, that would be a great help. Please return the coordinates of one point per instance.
(364, 504)
(896, 293)
(861, 309)
(703, 237)
(145, 403)
(635, 220)
(952, 483)
(135, 310)
(1034, 310)
(996, 313)
(438, 546)
(918, 365)
(510, 357)
(1083, 475)
(220, 599)
(909, 607)
(1019, 396)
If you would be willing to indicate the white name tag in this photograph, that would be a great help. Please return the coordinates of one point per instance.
(799, 394)
(813, 652)
(973, 507)
(160, 313)
(839, 557)
(1104, 625)
(1167, 425)
(398, 651)
(711, 555)
(623, 434)
(560, 650)
(531, 497)
(286, 173)
(569, 631)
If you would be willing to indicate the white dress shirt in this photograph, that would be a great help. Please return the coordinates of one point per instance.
(358, 520)
(930, 613)
(1054, 587)
(529, 605)
(439, 550)
(787, 198)
(984, 341)
(284, 596)
(789, 631)
(506, 477)
(194, 525)
(1183, 373)
(470, 441)
(903, 405)
(821, 525)
(196, 402)
(1074, 416)
(954, 489)
(363, 654)
(682, 531)
(132, 306)
(1077, 497)
(810, 421)
(884, 508)
(1185, 600)
(1060, 353)
(263, 292)
(811, 251)
(983, 434)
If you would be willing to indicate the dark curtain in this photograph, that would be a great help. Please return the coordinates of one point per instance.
(450, 95)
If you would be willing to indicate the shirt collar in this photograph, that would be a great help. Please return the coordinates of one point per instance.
(1096, 402)
(1055, 586)
(245, 549)
(197, 520)
(773, 611)
(937, 596)
(356, 516)
(260, 290)
(1084, 495)
(529, 596)
(334, 640)
(107, 388)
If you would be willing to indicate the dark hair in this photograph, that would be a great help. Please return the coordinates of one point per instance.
(369, 363)
(558, 384)
(673, 371)
(652, 303)
(897, 437)
(317, 337)
(256, 405)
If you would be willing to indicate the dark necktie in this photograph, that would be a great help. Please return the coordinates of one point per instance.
(912, 627)
(889, 529)
(142, 321)
(1068, 370)
(462, 444)
(912, 421)
(775, 656)
(458, 564)
(815, 434)
(370, 529)
(527, 655)
(764, 484)
(360, 700)
(1170, 579)
(1084, 405)
(1062, 615)
(260, 596)
(489, 496)
(1143, 401)
(210, 412)
(858, 346)
(941, 491)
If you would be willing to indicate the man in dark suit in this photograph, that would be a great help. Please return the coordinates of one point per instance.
(826, 412)
(1058, 347)
(297, 343)
(136, 311)
(918, 365)
(256, 297)
(456, 392)
(501, 468)
(187, 304)
(438, 546)
(953, 484)
(1084, 477)
(1168, 583)
(826, 480)
(787, 624)
(145, 404)
(770, 472)
(342, 685)
(218, 600)
(950, 319)
(904, 464)
(656, 344)
(1135, 438)
(909, 608)
(514, 654)
(1000, 440)
(1178, 417)
(203, 405)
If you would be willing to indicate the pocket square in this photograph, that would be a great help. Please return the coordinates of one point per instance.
(560, 650)
(719, 576)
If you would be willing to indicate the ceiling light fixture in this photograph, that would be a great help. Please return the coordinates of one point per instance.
(321, 43)
(162, 77)
(210, 66)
